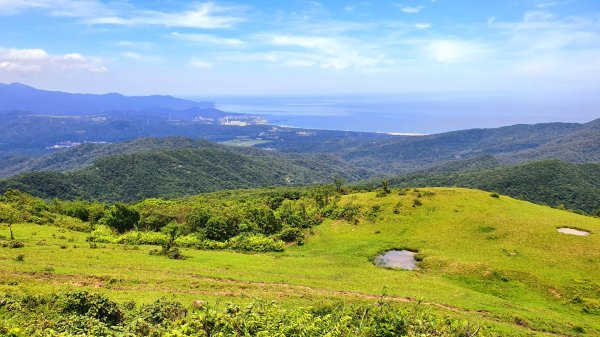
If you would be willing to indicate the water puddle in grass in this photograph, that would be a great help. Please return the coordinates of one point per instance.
(572, 231)
(400, 259)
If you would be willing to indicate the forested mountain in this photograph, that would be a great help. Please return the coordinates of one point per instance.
(550, 182)
(17, 96)
(578, 143)
(180, 171)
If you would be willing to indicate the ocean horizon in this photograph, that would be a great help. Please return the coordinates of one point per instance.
(412, 114)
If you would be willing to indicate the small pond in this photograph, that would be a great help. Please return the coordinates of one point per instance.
(401, 259)
(572, 231)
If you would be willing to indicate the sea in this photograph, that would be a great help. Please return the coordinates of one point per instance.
(412, 113)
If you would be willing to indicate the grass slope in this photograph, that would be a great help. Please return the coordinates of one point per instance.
(551, 182)
(497, 261)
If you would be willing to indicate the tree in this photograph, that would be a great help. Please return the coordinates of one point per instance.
(386, 187)
(197, 218)
(339, 184)
(173, 230)
(9, 215)
(121, 217)
(154, 214)
(265, 219)
(218, 228)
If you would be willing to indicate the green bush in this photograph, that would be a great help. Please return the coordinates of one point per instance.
(162, 311)
(86, 314)
(211, 245)
(72, 223)
(220, 229)
(12, 244)
(142, 238)
(187, 241)
(264, 219)
(102, 234)
(291, 234)
(91, 305)
(121, 217)
(255, 243)
(197, 218)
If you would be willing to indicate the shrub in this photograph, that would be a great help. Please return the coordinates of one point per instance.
(121, 217)
(163, 310)
(291, 234)
(495, 195)
(348, 212)
(264, 219)
(13, 244)
(91, 305)
(103, 234)
(187, 241)
(197, 218)
(417, 202)
(20, 258)
(211, 245)
(72, 223)
(154, 214)
(142, 238)
(219, 229)
(255, 243)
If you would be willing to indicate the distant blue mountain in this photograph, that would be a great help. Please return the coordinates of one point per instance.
(17, 96)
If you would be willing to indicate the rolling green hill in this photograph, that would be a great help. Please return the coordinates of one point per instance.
(550, 182)
(498, 263)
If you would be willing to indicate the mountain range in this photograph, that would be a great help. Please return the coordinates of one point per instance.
(110, 146)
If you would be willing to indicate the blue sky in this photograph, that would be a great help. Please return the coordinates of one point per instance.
(265, 47)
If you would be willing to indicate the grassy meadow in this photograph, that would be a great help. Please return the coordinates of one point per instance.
(497, 262)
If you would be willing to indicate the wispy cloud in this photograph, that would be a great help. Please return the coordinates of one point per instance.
(409, 9)
(322, 51)
(37, 60)
(65, 8)
(452, 51)
(208, 15)
(546, 4)
(204, 16)
(207, 38)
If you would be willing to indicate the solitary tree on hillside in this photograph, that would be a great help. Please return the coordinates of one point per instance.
(10, 216)
(386, 187)
(339, 183)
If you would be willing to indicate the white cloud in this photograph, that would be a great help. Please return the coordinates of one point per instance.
(139, 57)
(409, 9)
(38, 60)
(451, 51)
(201, 64)
(72, 8)
(546, 4)
(204, 16)
(207, 38)
(534, 16)
(326, 52)
(25, 55)
(422, 25)
(135, 44)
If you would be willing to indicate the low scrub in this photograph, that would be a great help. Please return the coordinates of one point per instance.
(87, 314)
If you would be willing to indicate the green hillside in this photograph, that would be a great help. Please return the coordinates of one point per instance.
(496, 262)
(179, 172)
(550, 182)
